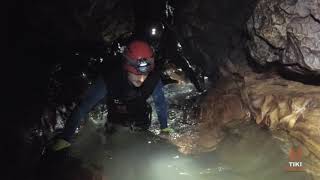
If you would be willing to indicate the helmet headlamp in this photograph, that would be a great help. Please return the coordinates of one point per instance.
(142, 66)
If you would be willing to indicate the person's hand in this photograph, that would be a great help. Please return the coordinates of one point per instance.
(167, 130)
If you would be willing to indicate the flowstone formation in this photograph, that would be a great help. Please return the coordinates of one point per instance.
(289, 109)
(287, 33)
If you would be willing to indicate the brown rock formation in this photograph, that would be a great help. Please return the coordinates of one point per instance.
(288, 106)
(291, 110)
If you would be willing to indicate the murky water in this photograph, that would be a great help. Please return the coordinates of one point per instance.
(247, 153)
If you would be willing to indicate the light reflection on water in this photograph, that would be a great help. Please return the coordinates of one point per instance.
(247, 153)
(253, 154)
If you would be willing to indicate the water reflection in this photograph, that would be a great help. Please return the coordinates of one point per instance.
(247, 153)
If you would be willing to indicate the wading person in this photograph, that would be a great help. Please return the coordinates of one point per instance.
(126, 81)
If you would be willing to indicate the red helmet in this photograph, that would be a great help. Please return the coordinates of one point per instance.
(139, 57)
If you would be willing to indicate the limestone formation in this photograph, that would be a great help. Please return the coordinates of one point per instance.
(285, 107)
(288, 106)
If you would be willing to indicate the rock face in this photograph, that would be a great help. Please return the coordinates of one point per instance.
(289, 109)
(287, 32)
(221, 107)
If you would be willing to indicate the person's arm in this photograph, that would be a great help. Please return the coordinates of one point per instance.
(161, 105)
(94, 94)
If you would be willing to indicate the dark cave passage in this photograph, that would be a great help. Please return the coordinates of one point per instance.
(236, 73)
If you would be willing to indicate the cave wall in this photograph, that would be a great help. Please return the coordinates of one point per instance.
(214, 29)
(210, 29)
(286, 32)
(45, 33)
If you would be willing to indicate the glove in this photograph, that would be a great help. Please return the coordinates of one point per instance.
(167, 130)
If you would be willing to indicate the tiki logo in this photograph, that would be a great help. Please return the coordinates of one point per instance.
(295, 159)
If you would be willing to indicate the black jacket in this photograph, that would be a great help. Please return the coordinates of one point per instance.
(120, 90)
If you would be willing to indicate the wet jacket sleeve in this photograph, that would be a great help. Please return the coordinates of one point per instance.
(161, 105)
(94, 94)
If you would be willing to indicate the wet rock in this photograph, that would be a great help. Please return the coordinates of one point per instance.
(289, 106)
(222, 107)
(287, 32)
(219, 108)
(280, 105)
(185, 142)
